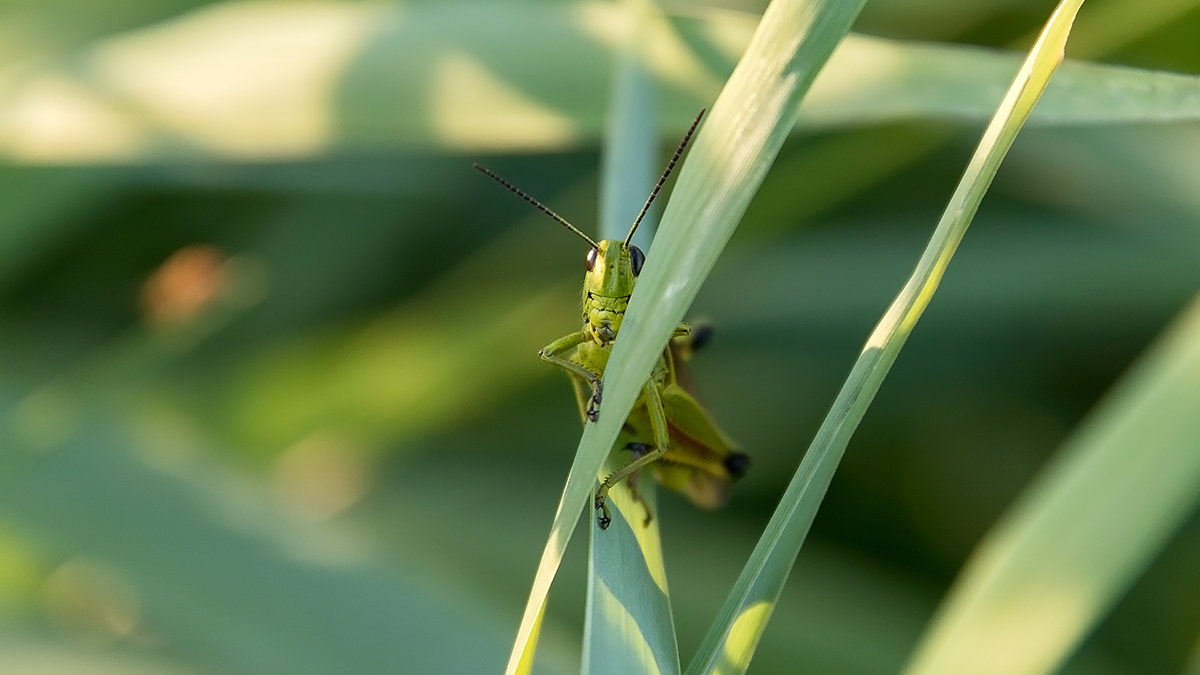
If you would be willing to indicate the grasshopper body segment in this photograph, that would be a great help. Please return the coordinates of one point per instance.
(675, 437)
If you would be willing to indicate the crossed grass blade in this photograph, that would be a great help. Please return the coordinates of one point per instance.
(748, 123)
(730, 643)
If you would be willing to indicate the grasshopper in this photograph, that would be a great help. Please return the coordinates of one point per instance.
(675, 436)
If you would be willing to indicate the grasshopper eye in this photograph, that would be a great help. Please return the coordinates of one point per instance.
(637, 258)
(590, 261)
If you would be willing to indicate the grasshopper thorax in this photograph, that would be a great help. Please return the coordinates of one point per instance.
(612, 270)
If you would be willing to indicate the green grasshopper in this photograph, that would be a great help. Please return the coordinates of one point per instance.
(676, 437)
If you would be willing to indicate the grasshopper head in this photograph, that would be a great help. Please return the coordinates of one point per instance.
(612, 270)
(612, 265)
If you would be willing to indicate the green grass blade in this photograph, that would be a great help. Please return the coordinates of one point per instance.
(630, 157)
(731, 641)
(472, 77)
(95, 467)
(628, 628)
(1086, 527)
(748, 124)
(874, 80)
(1193, 667)
(95, 495)
(22, 654)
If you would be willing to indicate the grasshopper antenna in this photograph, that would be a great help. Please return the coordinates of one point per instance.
(542, 207)
(687, 138)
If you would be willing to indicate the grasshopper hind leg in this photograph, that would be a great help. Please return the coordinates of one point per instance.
(643, 454)
(638, 450)
(689, 339)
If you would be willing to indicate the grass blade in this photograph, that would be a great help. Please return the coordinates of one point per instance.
(628, 627)
(630, 157)
(1084, 530)
(96, 496)
(731, 642)
(894, 80)
(352, 76)
(748, 124)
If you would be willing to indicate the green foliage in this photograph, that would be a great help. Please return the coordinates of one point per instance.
(735, 634)
(628, 627)
(329, 446)
(1085, 529)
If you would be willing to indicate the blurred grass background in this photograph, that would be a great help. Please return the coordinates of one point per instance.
(271, 401)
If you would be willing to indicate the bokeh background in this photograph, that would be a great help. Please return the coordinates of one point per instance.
(268, 377)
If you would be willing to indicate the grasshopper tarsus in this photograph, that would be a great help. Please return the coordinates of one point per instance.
(593, 409)
(601, 501)
(605, 518)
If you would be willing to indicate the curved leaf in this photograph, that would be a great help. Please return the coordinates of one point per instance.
(1084, 530)
(748, 124)
(272, 80)
(731, 641)
(628, 627)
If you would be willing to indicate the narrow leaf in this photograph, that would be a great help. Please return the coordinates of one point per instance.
(735, 634)
(1086, 527)
(628, 628)
(630, 156)
(748, 124)
(474, 76)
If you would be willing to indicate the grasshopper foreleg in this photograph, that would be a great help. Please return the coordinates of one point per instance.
(642, 454)
(551, 353)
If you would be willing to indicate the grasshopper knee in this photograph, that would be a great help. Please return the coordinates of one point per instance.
(702, 334)
(736, 464)
(638, 449)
